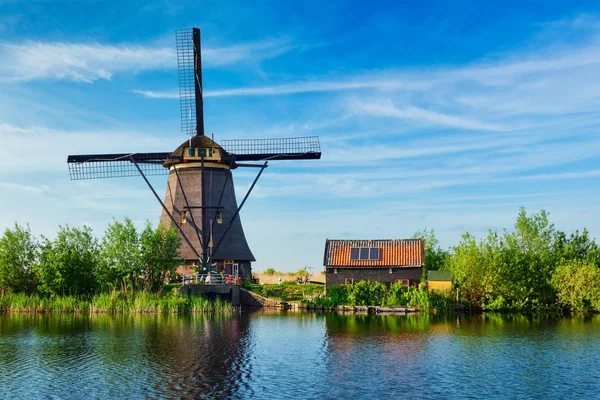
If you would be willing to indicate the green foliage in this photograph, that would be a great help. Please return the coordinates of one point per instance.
(171, 287)
(473, 267)
(366, 293)
(302, 272)
(396, 295)
(160, 255)
(435, 257)
(114, 302)
(17, 255)
(67, 264)
(339, 294)
(246, 283)
(270, 271)
(399, 295)
(121, 258)
(517, 270)
(577, 284)
(287, 292)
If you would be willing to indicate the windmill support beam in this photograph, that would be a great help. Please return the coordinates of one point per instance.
(214, 219)
(265, 165)
(165, 207)
(205, 231)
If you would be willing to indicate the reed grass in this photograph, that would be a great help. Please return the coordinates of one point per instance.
(115, 302)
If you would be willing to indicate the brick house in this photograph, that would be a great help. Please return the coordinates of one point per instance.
(387, 261)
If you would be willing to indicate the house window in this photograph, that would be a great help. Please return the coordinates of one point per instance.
(348, 281)
(192, 152)
(405, 282)
(374, 253)
(365, 253)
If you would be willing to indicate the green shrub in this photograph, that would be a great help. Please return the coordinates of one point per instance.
(577, 285)
(339, 294)
(396, 294)
(366, 293)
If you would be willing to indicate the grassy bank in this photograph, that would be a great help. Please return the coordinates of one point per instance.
(288, 291)
(363, 293)
(116, 302)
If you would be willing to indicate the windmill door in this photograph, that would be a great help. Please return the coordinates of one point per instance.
(236, 268)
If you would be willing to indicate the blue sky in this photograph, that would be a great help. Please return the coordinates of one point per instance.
(434, 115)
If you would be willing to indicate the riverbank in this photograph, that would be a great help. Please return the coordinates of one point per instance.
(115, 302)
(358, 296)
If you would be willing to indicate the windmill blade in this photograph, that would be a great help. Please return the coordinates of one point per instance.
(98, 166)
(189, 66)
(296, 148)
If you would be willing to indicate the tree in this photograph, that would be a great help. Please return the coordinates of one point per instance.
(17, 256)
(471, 271)
(577, 285)
(67, 265)
(532, 259)
(121, 261)
(160, 254)
(435, 257)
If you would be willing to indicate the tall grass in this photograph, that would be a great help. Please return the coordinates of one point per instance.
(116, 302)
(365, 293)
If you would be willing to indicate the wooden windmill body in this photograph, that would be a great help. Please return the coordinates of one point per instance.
(200, 198)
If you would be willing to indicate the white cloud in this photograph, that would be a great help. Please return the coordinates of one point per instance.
(385, 108)
(82, 62)
(24, 188)
(34, 149)
(79, 62)
(153, 94)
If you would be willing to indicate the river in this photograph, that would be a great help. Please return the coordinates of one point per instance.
(272, 355)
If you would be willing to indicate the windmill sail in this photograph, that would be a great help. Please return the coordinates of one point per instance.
(189, 65)
(295, 148)
(99, 166)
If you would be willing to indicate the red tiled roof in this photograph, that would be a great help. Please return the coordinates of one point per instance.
(393, 253)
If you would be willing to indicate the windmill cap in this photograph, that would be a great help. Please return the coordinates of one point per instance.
(196, 141)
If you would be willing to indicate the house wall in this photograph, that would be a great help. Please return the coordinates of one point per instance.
(413, 274)
(439, 285)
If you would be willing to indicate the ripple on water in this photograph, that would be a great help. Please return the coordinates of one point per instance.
(266, 356)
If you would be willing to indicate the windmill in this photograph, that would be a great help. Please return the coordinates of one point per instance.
(200, 198)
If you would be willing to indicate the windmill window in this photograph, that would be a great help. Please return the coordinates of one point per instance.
(210, 152)
(219, 217)
(183, 217)
(192, 152)
(201, 152)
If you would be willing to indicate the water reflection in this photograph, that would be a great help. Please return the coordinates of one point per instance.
(273, 354)
(77, 356)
